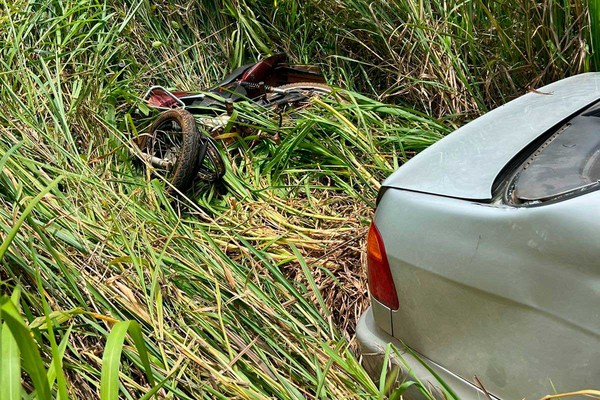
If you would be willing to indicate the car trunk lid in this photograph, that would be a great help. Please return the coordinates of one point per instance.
(467, 163)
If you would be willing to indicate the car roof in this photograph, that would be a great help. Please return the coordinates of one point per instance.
(465, 163)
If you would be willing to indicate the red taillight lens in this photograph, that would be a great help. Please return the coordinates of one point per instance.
(381, 284)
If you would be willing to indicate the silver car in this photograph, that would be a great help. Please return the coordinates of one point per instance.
(484, 252)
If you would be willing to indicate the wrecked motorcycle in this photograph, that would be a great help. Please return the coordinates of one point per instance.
(180, 141)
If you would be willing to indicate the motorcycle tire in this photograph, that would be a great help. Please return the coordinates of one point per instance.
(174, 138)
(211, 167)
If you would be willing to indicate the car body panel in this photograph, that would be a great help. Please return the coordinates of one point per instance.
(509, 294)
(383, 315)
(466, 163)
(373, 343)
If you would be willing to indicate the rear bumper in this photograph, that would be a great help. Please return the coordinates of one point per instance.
(373, 342)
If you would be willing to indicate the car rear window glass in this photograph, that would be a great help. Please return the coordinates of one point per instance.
(568, 161)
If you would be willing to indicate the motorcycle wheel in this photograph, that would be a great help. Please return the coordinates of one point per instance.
(211, 167)
(173, 145)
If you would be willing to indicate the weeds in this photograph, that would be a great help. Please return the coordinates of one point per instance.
(251, 288)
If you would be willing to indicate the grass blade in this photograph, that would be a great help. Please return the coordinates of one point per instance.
(111, 360)
(136, 334)
(10, 365)
(13, 232)
(32, 361)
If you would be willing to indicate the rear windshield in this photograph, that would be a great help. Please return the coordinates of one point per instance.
(568, 161)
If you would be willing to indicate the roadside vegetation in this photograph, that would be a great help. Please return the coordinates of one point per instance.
(250, 288)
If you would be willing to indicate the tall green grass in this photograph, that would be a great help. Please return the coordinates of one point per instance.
(250, 288)
(594, 10)
(441, 57)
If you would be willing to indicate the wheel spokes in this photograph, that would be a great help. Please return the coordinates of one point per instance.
(165, 144)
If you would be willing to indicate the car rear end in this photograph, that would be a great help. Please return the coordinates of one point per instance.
(483, 269)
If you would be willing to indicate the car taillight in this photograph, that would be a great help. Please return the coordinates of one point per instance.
(381, 284)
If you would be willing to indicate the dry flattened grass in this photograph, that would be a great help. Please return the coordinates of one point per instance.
(332, 249)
